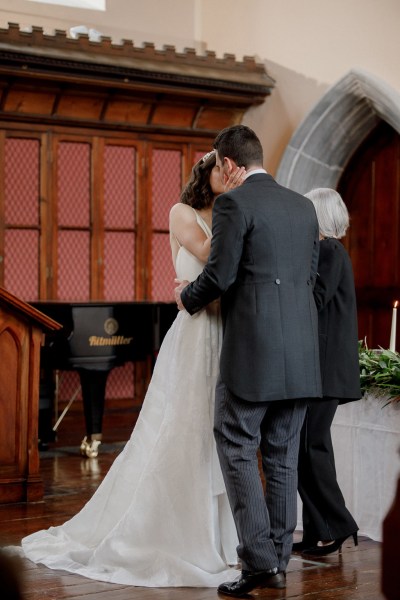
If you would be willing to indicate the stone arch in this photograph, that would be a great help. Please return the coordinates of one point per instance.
(320, 148)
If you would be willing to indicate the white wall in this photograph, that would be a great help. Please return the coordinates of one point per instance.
(321, 39)
(158, 21)
(306, 45)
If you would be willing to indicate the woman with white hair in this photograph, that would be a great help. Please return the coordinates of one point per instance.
(327, 523)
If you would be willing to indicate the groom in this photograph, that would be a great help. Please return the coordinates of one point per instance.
(262, 264)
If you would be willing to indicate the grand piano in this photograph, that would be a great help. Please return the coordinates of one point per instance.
(96, 337)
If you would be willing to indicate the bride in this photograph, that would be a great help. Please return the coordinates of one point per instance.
(161, 517)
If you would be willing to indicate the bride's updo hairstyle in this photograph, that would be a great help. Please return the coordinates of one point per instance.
(197, 192)
(332, 213)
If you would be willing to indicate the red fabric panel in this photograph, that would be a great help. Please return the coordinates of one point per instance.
(167, 185)
(119, 187)
(21, 269)
(21, 183)
(73, 184)
(73, 265)
(119, 266)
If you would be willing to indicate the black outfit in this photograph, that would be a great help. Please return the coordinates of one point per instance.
(325, 516)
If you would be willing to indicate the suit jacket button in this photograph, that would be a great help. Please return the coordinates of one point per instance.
(277, 281)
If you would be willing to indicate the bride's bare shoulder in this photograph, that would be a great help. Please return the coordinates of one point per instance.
(181, 212)
(180, 208)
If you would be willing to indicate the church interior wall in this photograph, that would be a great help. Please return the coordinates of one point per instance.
(306, 45)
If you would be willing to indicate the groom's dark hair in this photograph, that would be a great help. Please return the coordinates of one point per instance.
(240, 144)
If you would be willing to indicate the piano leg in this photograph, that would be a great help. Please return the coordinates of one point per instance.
(93, 384)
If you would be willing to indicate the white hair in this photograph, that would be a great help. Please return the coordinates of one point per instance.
(332, 213)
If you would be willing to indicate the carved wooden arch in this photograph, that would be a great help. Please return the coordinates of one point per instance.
(322, 145)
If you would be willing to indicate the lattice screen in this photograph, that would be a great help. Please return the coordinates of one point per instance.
(73, 265)
(72, 206)
(119, 222)
(167, 186)
(73, 215)
(119, 263)
(21, 210)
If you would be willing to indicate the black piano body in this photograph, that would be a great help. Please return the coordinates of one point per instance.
(96, 337)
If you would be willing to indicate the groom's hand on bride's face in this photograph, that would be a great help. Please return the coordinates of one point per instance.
(182, 284)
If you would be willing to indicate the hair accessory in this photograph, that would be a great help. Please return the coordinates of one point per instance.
(206, 156)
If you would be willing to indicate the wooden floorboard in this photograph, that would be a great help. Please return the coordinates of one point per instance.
(70, 480)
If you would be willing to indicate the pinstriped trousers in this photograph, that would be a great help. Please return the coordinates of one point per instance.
(264, 523)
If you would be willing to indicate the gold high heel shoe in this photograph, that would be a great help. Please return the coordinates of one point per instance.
(83, 446)
(89, 449)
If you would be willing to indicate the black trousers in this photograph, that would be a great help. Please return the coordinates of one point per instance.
(93, 384)
(264, 524)
(325, 516)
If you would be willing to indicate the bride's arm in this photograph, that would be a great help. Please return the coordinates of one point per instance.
(183, 226)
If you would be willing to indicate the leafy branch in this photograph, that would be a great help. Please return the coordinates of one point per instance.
(379, 371)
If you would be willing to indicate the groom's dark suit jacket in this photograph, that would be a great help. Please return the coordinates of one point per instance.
(263, 262)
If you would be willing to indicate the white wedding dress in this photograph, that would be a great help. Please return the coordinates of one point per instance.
(160, 517)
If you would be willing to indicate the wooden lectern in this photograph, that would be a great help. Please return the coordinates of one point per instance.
(21, 332)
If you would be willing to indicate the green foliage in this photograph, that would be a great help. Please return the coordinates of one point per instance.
(380, 371)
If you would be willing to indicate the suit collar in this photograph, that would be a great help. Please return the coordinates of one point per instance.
(258, 177)
(255, 172)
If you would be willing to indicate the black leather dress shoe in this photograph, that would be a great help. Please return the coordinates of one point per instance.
(250, 580)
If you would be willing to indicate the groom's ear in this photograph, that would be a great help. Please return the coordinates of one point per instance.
(230, 165)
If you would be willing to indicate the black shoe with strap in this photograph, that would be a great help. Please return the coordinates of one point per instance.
(250, 580)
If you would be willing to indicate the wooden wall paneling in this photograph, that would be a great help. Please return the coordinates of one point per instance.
(62, 89)
(2, 218)
(48, 201)
(81, 105)
(217, 118)
(63, 80)
(53, 208)
(28, 99)
(46, 279)
(178, 114)
(127, 111)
